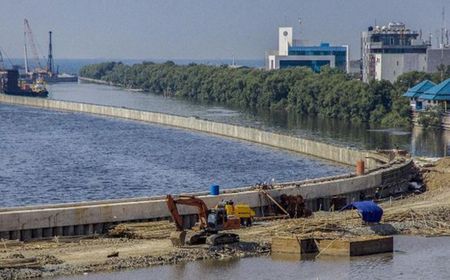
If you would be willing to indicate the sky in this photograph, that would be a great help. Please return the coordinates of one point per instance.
(201, 29)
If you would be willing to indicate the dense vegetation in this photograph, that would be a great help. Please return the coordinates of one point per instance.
(431, 117)
(330, 93)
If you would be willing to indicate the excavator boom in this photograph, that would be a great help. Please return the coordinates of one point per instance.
(190, 201)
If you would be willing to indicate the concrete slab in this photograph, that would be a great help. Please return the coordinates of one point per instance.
(356, 246)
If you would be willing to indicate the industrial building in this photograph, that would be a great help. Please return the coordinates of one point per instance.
(389, 51)
(291, 54)
(437, 57)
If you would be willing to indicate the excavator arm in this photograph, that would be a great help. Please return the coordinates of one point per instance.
(190, 201)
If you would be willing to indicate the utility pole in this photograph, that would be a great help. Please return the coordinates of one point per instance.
(442, 44)
(50, 54)
(443, 27)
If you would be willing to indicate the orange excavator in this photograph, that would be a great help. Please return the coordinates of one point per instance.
(207, 230)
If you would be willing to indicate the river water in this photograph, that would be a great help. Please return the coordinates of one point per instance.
(428, 143)
(49, 156)
(52, 157)
(413, 258)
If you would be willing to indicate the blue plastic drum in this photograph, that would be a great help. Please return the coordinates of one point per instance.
(214, 189)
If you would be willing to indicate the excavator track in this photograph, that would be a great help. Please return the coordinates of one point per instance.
(222, 238)
(196, 238)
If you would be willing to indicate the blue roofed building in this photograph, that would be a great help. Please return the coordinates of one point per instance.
(414, 93)
(291, 54)
(426, 94)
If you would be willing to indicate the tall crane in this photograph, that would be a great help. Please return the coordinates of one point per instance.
(50, 63)
(29, 41)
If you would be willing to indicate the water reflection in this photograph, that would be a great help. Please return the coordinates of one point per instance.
(414, 258)
(338, 131)
(431, 143)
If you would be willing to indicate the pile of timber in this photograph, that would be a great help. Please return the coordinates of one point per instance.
(7, 244)
(432, 222)
(148, 230)
(20, 263)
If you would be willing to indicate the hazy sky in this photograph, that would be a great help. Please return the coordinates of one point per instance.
(201, 29)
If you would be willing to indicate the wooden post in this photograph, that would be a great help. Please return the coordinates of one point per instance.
(360, 167)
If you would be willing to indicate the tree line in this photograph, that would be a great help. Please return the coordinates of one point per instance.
(330, 93)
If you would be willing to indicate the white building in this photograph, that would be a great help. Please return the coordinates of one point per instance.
(390, 66)
(291, 54)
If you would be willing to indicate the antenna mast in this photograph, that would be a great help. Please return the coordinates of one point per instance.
(443, 28)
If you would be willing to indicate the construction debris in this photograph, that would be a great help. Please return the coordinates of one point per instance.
(147, 230)
(20, 263)
(114, 254)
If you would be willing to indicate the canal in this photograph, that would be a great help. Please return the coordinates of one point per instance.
(420, 142)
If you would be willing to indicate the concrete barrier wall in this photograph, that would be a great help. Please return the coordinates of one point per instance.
(318, 149)
(88, 217)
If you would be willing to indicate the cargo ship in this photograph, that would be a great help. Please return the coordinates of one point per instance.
(10, 84)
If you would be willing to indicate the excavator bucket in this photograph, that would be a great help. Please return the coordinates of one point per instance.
(178, 238)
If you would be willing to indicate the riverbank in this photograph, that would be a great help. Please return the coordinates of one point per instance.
(330, 93)
(139, 245)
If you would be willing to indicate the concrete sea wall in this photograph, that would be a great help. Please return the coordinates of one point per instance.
(36, 222)
(318, 149)
(86, 218)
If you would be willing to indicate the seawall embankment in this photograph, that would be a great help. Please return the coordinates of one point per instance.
(36, 222)
(334, 153)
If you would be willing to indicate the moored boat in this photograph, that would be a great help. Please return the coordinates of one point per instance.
(9, 84)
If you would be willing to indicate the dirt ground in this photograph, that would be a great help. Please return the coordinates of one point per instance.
(146, 244)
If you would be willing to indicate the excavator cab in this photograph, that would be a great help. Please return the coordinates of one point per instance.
(217, 219)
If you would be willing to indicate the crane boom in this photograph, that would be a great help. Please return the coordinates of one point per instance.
(190, 201)
(29, 38)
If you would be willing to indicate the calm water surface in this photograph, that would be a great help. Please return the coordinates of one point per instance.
(414, 258)
(51, 157)
(430, 143)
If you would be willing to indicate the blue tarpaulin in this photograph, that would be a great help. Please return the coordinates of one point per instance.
(369, 210)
